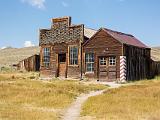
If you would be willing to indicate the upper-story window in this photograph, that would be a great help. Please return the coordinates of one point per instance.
(112, 61)
(89, 60)
(46, 57)
(73, 55)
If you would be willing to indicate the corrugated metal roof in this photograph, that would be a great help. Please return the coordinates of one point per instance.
(89, 32)
(125, 38)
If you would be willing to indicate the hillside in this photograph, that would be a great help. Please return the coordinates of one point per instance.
(155, 53)
(9, 56)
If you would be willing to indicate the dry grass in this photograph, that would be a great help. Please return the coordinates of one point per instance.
(140, 101)
(11, 112)
(22, 98)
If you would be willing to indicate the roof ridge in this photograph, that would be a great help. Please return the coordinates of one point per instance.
(119, 32)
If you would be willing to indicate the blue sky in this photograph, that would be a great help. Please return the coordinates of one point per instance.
(21, 19)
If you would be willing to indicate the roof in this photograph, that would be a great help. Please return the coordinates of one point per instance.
(89, 32)
(125, 38)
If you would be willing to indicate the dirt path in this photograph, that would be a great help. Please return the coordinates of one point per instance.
(73, 112)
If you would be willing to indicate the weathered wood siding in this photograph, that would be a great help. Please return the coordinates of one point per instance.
(71, 71)
(138, 62)
(155, 68)
(102, 44)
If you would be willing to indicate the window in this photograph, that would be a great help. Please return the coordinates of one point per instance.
(89, 59)
(46, 57)
(73, 55)
(102, 61)
(112, 61)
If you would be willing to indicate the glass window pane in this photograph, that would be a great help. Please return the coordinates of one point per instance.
(46, 56)
(89, 60)
(73, 55)
(102, 61)
(112, 60)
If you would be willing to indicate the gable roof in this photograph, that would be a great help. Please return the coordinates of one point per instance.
(125, 38)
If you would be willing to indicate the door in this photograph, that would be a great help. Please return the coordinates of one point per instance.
(62, 65)
(112, 68)
(103, 68)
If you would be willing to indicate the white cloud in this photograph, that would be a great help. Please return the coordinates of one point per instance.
(64, 4)
(28, 44)
(35, 3)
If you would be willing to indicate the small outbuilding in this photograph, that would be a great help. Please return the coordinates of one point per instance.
(31, 63)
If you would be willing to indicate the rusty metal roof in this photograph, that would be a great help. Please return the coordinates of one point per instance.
(125, 38)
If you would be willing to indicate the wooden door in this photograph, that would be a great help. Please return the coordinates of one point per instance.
(112, 68)
(62, 65)
(103, 68)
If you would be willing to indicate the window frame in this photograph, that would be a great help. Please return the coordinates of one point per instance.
(69, 55)
(105, 59)
(89, 61)
(46, 55)
(111, 61)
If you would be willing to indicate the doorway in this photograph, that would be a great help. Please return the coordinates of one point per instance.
(62, 65)
(103, 68)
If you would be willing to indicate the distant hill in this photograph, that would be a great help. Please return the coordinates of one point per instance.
(155, 53)
(9, 55)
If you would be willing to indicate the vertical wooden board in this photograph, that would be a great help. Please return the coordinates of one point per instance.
(137, 62)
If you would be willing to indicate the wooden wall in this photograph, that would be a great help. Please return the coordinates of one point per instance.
(102, 44)
(155, 68)
(72, 71)
(138, 62)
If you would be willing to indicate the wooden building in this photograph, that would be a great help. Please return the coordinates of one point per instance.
(155, 68)
(31, 63)
(72, 51)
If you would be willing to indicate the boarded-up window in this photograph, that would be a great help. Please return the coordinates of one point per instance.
(112, 61)
(89, 59)
(73, 55)
(46, 57)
